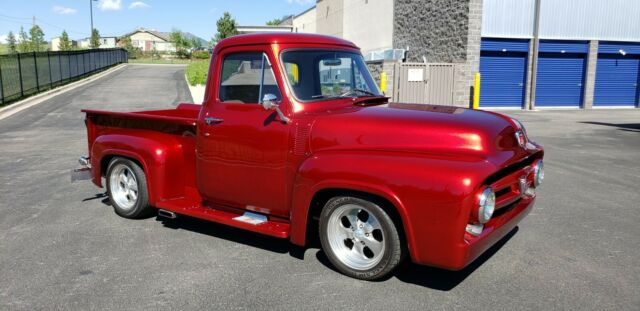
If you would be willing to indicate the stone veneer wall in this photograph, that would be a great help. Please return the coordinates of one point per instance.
(465, 72)
(389, 67)
(443, 31)
(435, 29)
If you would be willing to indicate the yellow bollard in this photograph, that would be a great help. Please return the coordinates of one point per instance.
(383, 82)
(476, 91)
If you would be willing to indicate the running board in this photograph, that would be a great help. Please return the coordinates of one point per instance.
(248, 221)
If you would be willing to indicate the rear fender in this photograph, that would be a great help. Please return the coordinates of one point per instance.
(160, 155)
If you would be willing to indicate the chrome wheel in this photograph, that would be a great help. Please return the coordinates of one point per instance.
(123, 186)
(356, 237)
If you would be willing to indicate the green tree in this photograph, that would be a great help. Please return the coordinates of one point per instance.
(133, 51)
(11, 42)
(180, 42)
(278, 21)
(195, 43)
(94, 42)
(65, 43)
(24, 44)
(226, 27)
(37, 39)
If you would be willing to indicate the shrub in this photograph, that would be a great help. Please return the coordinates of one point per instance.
(197, 72)
(200, 55)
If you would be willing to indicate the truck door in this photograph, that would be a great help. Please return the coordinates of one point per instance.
(242, 148)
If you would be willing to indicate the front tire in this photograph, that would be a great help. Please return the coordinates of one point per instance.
(127, 188)
(360, 238)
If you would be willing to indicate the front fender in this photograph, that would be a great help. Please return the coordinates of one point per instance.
(160, 155)
(432, 194)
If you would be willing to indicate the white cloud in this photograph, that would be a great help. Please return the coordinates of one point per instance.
(3, 38)
(301, 2)
(138, 5)
(110, 5)
(63, 10)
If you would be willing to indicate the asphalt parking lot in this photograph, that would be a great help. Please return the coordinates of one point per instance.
(62, 247)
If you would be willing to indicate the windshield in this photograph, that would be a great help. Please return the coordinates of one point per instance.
(323, 74)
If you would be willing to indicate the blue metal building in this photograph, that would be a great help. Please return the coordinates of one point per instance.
(560, 54)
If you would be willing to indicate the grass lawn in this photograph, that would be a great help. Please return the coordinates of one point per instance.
(158, 61)
(197, 72)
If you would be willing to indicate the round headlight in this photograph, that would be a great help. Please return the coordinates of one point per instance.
(487, 205)
(538, 173)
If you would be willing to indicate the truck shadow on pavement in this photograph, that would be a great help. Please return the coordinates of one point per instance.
(434, 278)
(628, 127)
(446, 280)
(430, 277)
(228, 233)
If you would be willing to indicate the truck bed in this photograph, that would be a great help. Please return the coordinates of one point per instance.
(184, 114)
(169, 133)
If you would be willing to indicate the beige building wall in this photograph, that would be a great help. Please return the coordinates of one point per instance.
(55, 44)
(368, 24)
(329, 15)
(305, 22)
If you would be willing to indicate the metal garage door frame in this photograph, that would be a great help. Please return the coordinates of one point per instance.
(617, 75)
(560, 79)
(503, 69)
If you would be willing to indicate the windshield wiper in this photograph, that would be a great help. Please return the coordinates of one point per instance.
(356, 90)
(320, 96)
(348, 94)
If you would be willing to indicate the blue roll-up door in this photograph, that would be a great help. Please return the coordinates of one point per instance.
(503, 68)
(617, 74)
(560, 78)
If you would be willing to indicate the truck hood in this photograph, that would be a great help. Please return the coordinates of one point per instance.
(441, 131)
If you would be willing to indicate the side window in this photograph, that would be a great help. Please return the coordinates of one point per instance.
(245, 77)
(269, 84)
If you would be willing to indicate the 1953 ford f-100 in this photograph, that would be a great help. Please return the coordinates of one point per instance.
(294, 140)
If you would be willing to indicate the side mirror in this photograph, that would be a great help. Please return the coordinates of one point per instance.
(270, 102)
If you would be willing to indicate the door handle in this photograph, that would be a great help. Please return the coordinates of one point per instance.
(212, 121)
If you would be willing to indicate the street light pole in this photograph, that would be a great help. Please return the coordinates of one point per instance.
(91, 9)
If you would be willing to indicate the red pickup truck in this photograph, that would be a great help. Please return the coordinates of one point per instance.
(294, 140)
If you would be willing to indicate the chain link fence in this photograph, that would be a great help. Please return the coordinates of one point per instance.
(24, 74)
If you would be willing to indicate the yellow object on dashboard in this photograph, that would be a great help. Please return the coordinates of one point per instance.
(294, 73)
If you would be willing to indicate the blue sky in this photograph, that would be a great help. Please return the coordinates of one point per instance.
(116, 17)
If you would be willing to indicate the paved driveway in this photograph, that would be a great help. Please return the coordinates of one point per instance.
(61, 247)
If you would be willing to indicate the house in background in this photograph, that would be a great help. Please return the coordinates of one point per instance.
(149, 39)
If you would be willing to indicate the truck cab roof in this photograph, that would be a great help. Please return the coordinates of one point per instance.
(281, 38)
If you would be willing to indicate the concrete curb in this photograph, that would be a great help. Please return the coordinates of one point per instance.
(150, 64)
(197, 92)
(26, 103)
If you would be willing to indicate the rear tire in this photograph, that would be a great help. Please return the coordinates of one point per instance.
(360, 238)
(127, 188)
